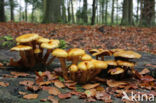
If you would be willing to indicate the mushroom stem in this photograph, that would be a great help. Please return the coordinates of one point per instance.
(97, 57)
(47, 55)
(83, 78)
(24, 58)
(102, 58)
(51, 60)
(72, 75)
(32, 58)
(64, 69)
(96, 72)
(75, 60)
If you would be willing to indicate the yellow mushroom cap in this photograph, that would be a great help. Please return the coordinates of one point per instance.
(55, 41)
(82, 66)
(125, 63)
(111, 62)
(27, 38)
(127, 54)
(86, 57)
(73, 68)
(76, 52)
(100, 64)
(37, 50)
(93, 51)
(116, 50)
(116, 71)
(60, 53)
(21, 48)
(42, 40)
(49, 45)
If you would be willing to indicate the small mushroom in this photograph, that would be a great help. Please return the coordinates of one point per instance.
(62, 55)
(116, 71)
(86, 57)
(73, 69)
(75, 54)
(22, 51)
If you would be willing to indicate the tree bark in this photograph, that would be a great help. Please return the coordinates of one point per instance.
(112, 13)
(26, 5)
(69, 15)
(52, 12)
(64, 12)
(106, 12)
(127, 13)
(117, 11)
(147, 12)
(11, 3)
(73, 19)
(2, 12)
(137, 16)
(93, 12)
(103, 8)
(84, 12)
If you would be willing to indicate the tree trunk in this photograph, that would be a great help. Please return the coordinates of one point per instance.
(69, 15)
(2, 12)
(73, 19)
(26, 5)
(93, 12)
(11, 3)
(20, 12)
(84, 12)
(106, 12)
(147, 12)
(117, 11)
(127, 14)
(137, 16)
(52, 12)
(64, 12)
(32, 14)
(112, 13)
(103, 8)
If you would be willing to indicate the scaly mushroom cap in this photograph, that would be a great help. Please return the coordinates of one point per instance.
(127, 54)
(116, 50)
(76, 52)
(125, 63)
(21, 48)
(83, 66)
(43, 40)
(102, 53)
(111, 63)
(60, 53)
(49, 45)
(27, 38)
(116, 71)
(86, 57)
(55, 41)
(100, 64)
(37, 50)
(73, 68)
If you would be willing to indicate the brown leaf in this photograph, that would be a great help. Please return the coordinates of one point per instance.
(71, 85)
(99, 88)
(52, 99)
(102, 95)
(45, 83)
(90, 86)
(19, 74)
(33, 88)
(30, 96)
(147, 78)
(26, 83)
(59, 84)
(47, 88)
(144, 71)
(54, 91)
(113, 83)
(1, 65)
(4, 84)
(64, 96)
(43, 100)
(22, 93)
(90, 92)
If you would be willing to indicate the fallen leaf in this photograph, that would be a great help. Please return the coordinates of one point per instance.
(64, 96)
(26, 83)
(30, 96)
(52, 99)
(113, 83)
(90, 86)
(19, 74)
(43, 100)
(99, 88)
(144, 71)
(54, 91)
(102, 95)
(90, 92)
(45, 83)
(1, 65)
(147, 78)
(59, 84)
(4, 84)
(22, 93)
(47, 88)
(33, 88)
(71, 85)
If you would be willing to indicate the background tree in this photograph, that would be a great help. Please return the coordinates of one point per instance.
(93, 12)
(127, 12)
(2, 12)
(12, 5)
(84, 12)
(52, 11)
(112, 12)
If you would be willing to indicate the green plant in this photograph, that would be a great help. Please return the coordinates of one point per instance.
(7, 41)
(63, 44)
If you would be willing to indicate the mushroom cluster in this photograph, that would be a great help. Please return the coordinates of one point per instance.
(83, 67)
(122, 64)
(33, 49)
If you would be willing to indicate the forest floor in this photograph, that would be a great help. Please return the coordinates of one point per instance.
(138, 39)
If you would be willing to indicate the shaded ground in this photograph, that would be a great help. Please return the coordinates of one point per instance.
(10, 94)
